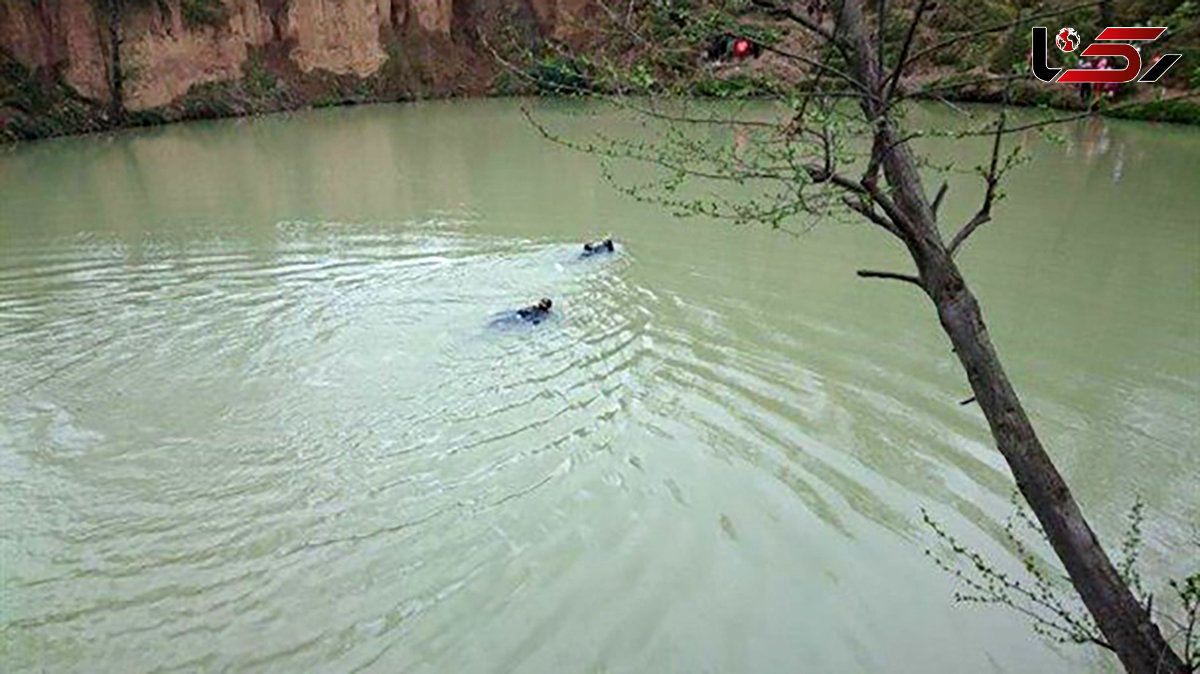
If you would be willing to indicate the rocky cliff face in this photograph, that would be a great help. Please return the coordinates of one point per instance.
(290, 50)
(63, 35)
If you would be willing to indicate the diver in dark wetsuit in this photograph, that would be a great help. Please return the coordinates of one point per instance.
(531, 315)
(536, 313)
(597, 247)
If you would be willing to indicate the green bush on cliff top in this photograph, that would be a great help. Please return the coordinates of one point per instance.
(203, 12)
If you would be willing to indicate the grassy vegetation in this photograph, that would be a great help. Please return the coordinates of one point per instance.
(211, 100)
(258, 90)
(21, 89)
(258, 83)
(39, 104)
(198, 13)
(1177, 111)
(558, 75)
(736, 86)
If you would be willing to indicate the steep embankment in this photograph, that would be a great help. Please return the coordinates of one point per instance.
(204, 58)
(183, 59)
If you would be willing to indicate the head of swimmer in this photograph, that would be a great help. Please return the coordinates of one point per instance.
(544, 304)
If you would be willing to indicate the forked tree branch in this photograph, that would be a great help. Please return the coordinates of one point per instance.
(863, 208)
(867, 192)
(978, 220)
(992, 178)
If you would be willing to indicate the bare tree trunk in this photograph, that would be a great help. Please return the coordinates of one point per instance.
(1127, 626)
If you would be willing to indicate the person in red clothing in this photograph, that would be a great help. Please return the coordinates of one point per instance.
(736, 47)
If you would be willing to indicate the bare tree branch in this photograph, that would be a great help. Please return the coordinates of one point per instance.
(821, 66)
(992, 178)
(864, 209)
(907, 278)
(979, 219)
(890, 208)
(937, 200)
(891, 81)
(610, 150)
(798, 121)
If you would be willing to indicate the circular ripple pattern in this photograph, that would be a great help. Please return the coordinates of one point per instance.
(230, 428)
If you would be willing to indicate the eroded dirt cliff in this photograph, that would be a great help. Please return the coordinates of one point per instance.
(190, 58)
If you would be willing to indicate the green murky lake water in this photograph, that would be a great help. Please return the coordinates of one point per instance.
(252, 418)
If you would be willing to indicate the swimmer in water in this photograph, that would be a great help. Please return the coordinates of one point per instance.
(597, 247)
(536, 313)
(531, 315)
